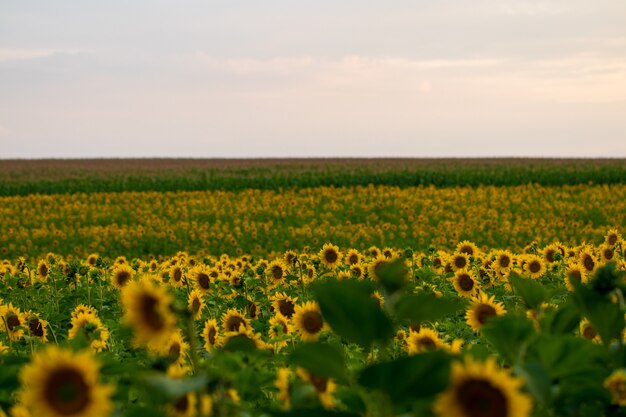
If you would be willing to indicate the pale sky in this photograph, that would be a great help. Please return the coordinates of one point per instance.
(237, 78)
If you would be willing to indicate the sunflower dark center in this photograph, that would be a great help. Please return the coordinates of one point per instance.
(468, 250)
(353, 259)
(195, 305)
(35, 327)
(277, 272)
(13, 321)
(460, 262)
(505, 261)
(182, 404)
(589, 263)
(212, 334)
(480, 398)
(43, 270)
(319, 383)
(174, 351)
(331, 256)
(286, 308)
(177, 275)
(234, 322)
(575, 275)
(550, 255)
(312, 322)
(66, 392)
(466, 282)
(589, 333)
(612, 240)
(608, 253)
(427, 343)
(122, 277)
(534, 267)
(484, 312)
(203, 281)
(252, 309)
(150, 314)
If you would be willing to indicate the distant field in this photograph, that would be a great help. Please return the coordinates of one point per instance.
(21, 177)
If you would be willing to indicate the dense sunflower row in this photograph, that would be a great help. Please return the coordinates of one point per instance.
(267, 223)
(462, 332)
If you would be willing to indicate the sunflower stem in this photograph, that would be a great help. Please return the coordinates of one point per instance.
(193, 344)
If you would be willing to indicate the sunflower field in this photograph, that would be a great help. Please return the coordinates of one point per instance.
(466, 300)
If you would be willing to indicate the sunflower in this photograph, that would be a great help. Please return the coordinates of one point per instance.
(468, 248)
(279, 327)
(503, 262)
(534, 266)
(91, 327)
(290, 257)
(284, 386)
(148, 310)
(607, 253)
(615, 384)
(233, 320)
(330, 256)
(588, 260)
(276, 271)
(324, 387)
(184, 406)
(308, 321)
(482, 309)
(482, 389)
(43, 271)
(613, 237)
(354, 257)
(211, 335)
(549, 253)
(201, 278)
(122, 275)
(376, 266)
(82, 308)
(575, 272)
(459, 261)
(423, 340)
(588, 332)
(465, 283)
(12, 321)
(284, 304)
(176, 275)
(37, 327)
(357, 271)
(175, 349)
(60, 383)
(195, 304)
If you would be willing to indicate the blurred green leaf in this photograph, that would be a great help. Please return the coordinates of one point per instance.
(532, 292)
(351, 311)
(409, 378)
(605, 316)
(321, 359)
(175, 388)
(509, 334)
(427, 307)
(563, 320)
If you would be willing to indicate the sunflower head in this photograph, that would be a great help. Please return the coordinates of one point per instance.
(122, 275)
(481, 310)
(308, 321)
(60, 383)
(284, 304)
(615, 384)
(465, 283)
(423, 340)
(211, 335)
(233, 321)
(482, 390)
(330, 256)
(195, 304)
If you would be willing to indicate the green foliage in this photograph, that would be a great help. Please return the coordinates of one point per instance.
(322, 359)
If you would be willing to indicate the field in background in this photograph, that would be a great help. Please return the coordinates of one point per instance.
(21, 177)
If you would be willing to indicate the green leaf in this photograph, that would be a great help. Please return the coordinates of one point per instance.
(509, 334)
(427, 307)
(312, 412)
(351, 311)
(532, 292)
(409, 378)
(393, 276)
(175, 388)
(564, 320)
(606, 317)
(321, 359)
(537, 380)
(240, 343)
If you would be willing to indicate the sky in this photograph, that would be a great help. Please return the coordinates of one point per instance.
(340, 78)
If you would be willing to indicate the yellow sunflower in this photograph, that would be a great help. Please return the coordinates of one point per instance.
(482, 389)
(176, 275)
(308, 321)
(588, 332)
(353, 257)
(122, 275)
(184, 406)
(468, 248)
(423, 340)
(465, 283)
(91, 327)
(279, 327)
(607, 253)
(283, 385)
(330, 256)
(376, 266)
(195, 304)
(324, 387)
(201, 278)
(482, 309)
(148, 310)
(284, 304)
(211, 335)
(37, 327)
(12, 321)
(588, 260)
(503, 262)
(534, 266)
(175, 349)
(276, 272)
(613, 237)
(615, 384)
(233, 320)
(43, 271)
(575, 272)
(459, 261)
(59, 383)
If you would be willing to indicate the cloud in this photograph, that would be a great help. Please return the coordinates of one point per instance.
(26, 54)
(3, 130)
